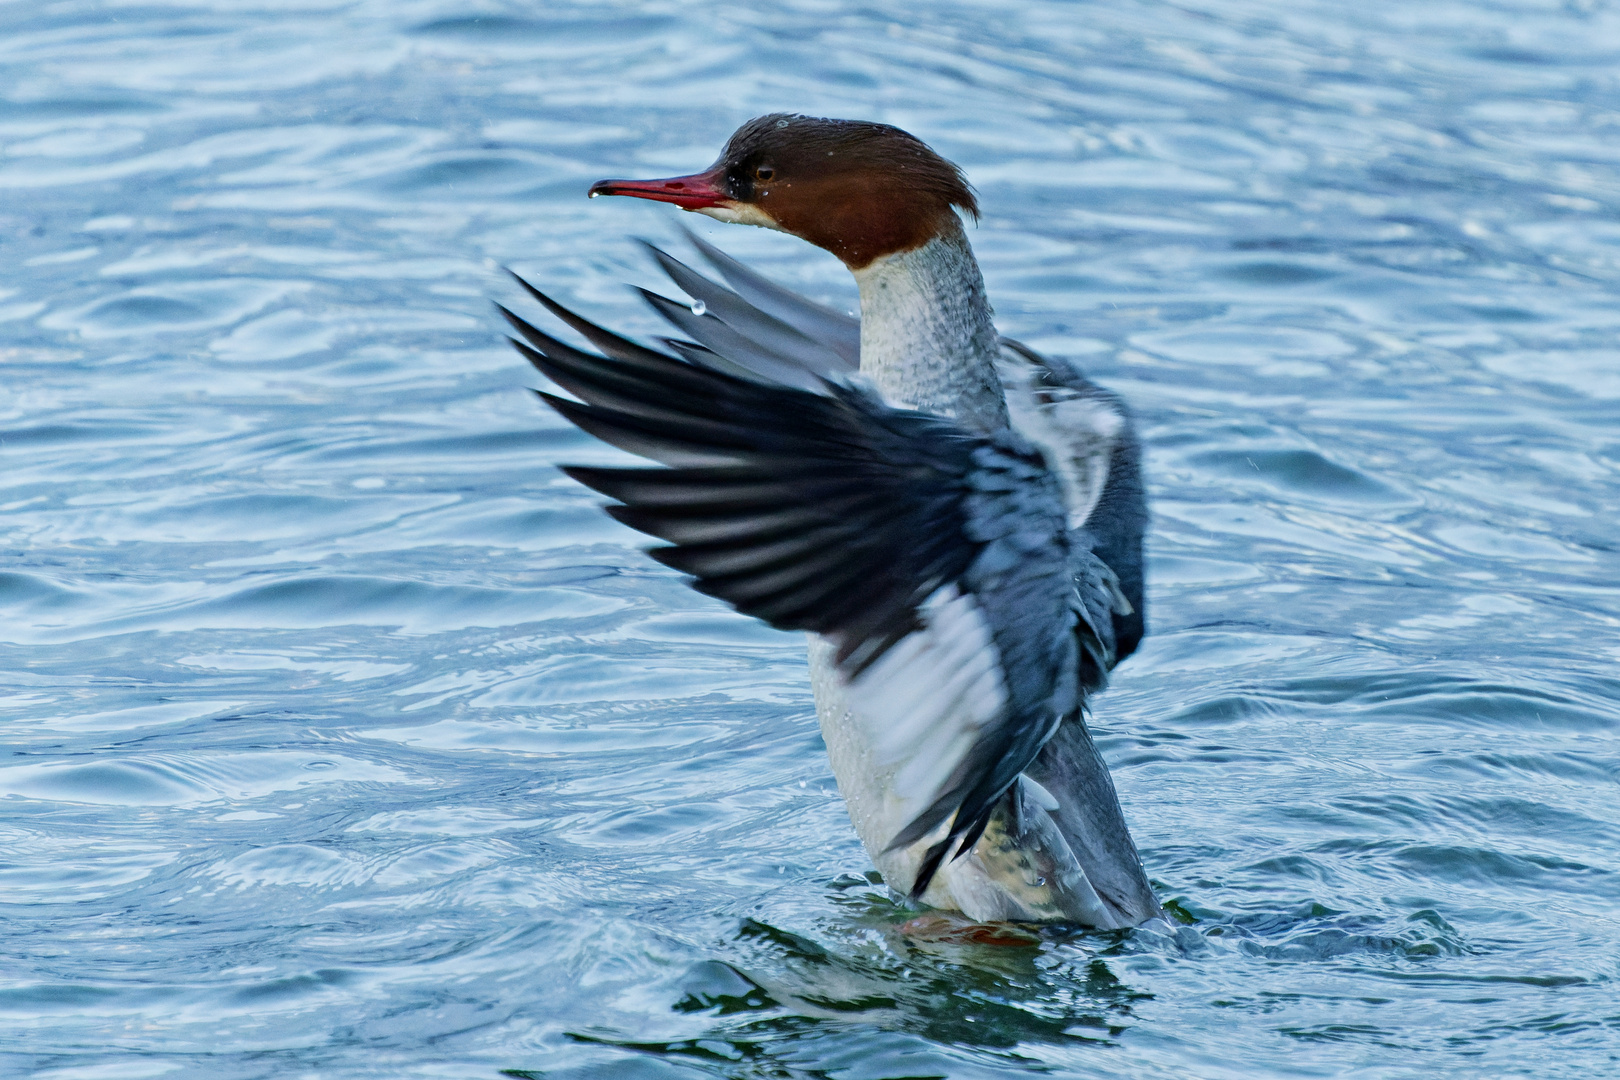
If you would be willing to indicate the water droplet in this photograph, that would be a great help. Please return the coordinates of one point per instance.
(699, 307)
(593, 194)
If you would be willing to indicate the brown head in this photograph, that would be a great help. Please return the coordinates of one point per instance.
(859, 190)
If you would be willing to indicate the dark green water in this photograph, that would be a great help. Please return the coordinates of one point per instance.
(344, 737)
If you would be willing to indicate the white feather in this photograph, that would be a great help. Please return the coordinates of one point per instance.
(927, 700)
(1038, 794)
(740, 213)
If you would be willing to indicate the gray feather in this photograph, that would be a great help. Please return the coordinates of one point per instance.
(725, 341)
(1090, 438)
(758, 329)
(841, 333)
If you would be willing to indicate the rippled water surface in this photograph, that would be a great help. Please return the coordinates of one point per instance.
(344, 736)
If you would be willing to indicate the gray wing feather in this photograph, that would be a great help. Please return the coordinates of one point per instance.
(1093, 825)
(839, 332)
(723, 339)
(1089, 436)
(752, 327)
(1069, 416)
(703, 356)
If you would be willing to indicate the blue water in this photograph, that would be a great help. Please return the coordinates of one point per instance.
(345, 737)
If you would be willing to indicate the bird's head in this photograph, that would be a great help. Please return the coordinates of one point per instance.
(859, 190)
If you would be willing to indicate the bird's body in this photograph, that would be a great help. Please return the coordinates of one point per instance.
(958, 526)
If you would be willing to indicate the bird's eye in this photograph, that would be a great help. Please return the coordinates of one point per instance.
(764, 172)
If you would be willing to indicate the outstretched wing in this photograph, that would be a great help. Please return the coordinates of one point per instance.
(1089, 436)
(936, 561)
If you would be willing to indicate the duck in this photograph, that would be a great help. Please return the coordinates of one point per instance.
(955, 520)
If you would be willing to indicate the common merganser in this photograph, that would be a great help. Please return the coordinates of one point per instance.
(955, 519)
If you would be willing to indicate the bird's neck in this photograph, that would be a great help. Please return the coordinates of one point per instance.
(927, 340)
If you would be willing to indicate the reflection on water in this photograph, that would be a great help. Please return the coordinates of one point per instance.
(346, 737)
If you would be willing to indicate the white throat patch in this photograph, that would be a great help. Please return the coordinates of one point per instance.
(737, 213)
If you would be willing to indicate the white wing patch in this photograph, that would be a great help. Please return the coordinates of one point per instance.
(1038, 794)
(1075, 432)
(928, 699)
